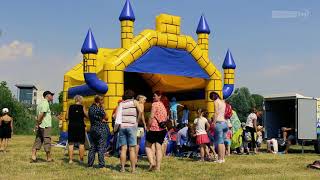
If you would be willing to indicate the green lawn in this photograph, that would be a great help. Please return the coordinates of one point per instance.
(15, 164)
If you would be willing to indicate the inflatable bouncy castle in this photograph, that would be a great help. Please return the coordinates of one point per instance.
(162, 59)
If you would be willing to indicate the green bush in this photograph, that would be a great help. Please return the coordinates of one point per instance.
(24, 117)
(243, 102)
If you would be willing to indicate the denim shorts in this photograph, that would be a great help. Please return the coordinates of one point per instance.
(174, 115)
(227, 142)
(128, 136)
(220, 132)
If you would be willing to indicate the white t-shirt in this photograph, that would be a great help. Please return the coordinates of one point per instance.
(250, 119)
(200, 125)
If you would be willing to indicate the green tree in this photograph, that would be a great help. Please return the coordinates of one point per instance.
(258, 99)
(24, 118)
(60, 97)
(243, 102)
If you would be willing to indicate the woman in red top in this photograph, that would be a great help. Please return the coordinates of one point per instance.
(155, 134)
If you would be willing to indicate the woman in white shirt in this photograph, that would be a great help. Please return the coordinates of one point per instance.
(251, 126)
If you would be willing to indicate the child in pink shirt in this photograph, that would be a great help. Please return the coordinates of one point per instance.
(227, 142)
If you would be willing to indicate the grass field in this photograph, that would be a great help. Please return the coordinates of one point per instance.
(15, 164)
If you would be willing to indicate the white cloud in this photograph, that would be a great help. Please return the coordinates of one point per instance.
(282, 70)
(15, 49)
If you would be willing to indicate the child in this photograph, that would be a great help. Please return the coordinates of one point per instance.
(202, 138)
(185, 116)
(227, 142)
(259, 137)
(174, 111)
(212, 125)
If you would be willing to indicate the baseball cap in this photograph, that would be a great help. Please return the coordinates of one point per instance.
(46, 93)
(5, 110)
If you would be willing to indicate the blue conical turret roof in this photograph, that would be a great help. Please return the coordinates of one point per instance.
(203, 26)
(127, 12)
(228, 61)
(89, 45)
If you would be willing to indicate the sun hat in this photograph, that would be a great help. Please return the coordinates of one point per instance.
(5, 110)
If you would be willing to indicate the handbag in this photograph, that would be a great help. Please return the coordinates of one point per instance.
(163, 124)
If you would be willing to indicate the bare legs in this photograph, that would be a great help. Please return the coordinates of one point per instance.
(221, 151)
(151, 155)
(155, 154)
(1, 141)
(123, 157)
(137, 149)
(71, 145)
(81, 152)
(3, 144)
(227, 150)
(202, 147)
(158, 156)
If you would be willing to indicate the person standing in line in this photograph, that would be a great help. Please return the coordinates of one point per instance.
(202, 139)
(130, 109)
(221, 125)
(98, 132)
(142, 126)
(251, 127)
(76, 127)
(156, 133)
(6, 129)
(43, 128)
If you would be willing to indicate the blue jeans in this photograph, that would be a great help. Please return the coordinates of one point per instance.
(220, 132)
(128, 136)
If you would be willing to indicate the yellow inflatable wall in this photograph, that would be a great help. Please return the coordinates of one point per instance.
(109, 64)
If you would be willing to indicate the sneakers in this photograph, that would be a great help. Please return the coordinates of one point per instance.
(220, 161)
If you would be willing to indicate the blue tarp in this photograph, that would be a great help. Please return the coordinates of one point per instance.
(161, 60)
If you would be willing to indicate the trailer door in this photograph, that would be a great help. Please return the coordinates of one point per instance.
(307, 119)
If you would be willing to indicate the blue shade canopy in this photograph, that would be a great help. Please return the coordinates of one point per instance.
(89, 45)
(228, 61)
(203, 26)
(161, 60)
(127, 12)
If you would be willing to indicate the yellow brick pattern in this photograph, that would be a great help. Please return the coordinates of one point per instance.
(126, 33)
(203, 42)
(168, 24)
(229, 76)
(89, 61)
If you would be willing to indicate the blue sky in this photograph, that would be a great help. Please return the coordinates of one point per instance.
(41, 40)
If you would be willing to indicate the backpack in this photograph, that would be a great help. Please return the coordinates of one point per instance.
(228, 111)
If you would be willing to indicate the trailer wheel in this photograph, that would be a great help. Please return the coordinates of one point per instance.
(317, 146)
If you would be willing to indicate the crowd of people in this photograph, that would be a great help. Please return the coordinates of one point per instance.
(204, 138)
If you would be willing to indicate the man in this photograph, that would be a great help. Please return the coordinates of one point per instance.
(43, 128)
(288, 137)
(127, 115)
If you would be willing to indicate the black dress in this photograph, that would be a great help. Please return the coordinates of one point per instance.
(76, 127)
(5, 130)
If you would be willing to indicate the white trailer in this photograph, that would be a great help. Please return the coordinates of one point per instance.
(294, 111)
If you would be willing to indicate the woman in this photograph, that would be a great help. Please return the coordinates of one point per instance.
(156, 134)
(221, 128)
(98, 132)
(76, 127)
(6, 128)
(142, 126)
(251, 127)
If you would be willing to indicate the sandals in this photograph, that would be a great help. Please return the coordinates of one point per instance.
(50, 160)
(33, 160)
